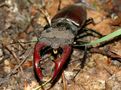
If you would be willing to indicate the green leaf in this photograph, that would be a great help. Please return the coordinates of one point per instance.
(105, 38)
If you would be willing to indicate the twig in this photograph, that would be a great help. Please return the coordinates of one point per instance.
(3, 80)
(14, 55)
(47, 17)
(24, 42)
(105, 52)
(108, 71)
(4, 4)
(19, 44)
(59, 5)
(64, 82)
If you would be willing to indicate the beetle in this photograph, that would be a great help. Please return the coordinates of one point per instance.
(58, 39)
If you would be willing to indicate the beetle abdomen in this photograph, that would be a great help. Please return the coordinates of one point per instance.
(76, 13)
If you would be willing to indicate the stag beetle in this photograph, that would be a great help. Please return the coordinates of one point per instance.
(58, 39)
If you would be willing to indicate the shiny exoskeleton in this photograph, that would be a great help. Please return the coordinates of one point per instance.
(59, 39)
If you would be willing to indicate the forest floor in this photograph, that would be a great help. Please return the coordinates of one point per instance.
(102, 69)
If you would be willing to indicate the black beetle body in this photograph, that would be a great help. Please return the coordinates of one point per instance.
(76, 13)
(65, 26)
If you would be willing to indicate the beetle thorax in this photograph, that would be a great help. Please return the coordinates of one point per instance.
(57, 37)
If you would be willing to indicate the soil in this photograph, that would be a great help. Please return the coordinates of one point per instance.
(21, 23)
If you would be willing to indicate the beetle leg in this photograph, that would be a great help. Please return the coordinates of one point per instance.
(89, 32)
(84, 57)
(89, 21)
(92, 31)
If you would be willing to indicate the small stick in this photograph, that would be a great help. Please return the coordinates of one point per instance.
(59, 5)
(14, 70)
(105, 52)
(14, 55)
(64, 81)
(19, 44)
(47, 17)
(34, 41)
(4, 4)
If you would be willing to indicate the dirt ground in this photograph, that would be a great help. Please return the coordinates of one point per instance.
(21, 22)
